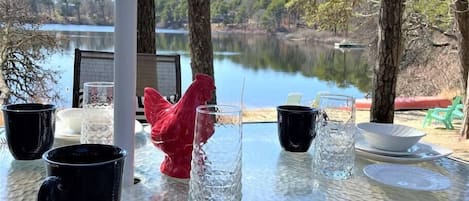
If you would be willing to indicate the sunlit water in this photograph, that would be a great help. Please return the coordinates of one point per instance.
(268, 67)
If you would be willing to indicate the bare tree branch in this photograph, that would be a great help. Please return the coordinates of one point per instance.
(22, 48)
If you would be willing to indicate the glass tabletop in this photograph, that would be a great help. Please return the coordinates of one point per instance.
(269, 173)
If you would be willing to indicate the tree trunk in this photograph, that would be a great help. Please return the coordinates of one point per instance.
(200, 38)
(65, 8)
(78, 14)
(146, 27)
(53, 10)
(389, 57)
(34, 7)
(4, 89)
(462, 19)
(100, 13)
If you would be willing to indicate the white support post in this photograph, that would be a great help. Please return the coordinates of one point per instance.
(125, 71)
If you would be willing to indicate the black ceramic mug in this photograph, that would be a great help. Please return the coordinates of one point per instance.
(29, 129)
(91, 172)
(296, 127)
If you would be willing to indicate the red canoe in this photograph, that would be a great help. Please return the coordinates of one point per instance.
(409, 103)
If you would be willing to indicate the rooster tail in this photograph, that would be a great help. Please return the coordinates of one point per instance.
(153, 104)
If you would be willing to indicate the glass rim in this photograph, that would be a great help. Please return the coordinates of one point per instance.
(225, 109)
(122, 155)
(99, 84)
(296, 108)
(45, 107)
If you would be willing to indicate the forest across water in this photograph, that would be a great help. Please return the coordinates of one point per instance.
(270, 67)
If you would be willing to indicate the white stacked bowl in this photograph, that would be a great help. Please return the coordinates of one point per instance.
(390, 137)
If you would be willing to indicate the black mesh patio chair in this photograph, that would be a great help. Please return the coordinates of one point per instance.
(162, 72)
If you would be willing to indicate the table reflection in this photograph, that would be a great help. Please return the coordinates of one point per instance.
(299, 177)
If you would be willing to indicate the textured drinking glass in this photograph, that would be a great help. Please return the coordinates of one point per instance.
(216, 155)
(97, 126)
(335, 141)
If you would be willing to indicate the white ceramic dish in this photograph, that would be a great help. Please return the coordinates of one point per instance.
(138, 127)
(408, 177)
(390, 137)
(147, 129)
(425, 152)
(71, 118)
(68, 134)
(363, 145)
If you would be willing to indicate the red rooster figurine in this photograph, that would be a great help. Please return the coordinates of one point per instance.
(172, 125)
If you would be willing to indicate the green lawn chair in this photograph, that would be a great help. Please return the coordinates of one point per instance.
(294, 98)
(445, 115)
(458, 112)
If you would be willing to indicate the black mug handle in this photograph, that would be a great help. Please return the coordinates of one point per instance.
(50, 190)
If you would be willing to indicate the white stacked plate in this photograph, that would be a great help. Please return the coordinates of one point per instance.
(417, 153)
(64, 133)
(395, 143)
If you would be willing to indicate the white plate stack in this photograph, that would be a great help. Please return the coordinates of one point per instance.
(395, 143)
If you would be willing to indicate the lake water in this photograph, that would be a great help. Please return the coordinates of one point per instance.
(270, 68)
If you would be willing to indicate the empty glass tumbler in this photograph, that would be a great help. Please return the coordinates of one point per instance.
(216, 155)
(334, 155)
(98, 113)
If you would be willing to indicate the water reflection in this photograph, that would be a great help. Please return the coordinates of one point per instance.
(272, 67)
(256, 52)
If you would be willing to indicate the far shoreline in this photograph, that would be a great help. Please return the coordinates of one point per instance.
(295, 35)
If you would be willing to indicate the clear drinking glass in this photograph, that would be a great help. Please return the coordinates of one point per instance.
(98, 113)
(335, 141)
(216, 155)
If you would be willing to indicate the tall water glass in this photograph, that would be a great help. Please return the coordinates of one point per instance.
(216, 155)
(335, 141)
(98, 113)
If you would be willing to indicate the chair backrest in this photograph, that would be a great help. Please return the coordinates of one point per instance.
(451, 108)
(294, 98)
(162, 72)
(456, 101)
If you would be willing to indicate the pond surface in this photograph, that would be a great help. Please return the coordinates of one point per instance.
(269, 68)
